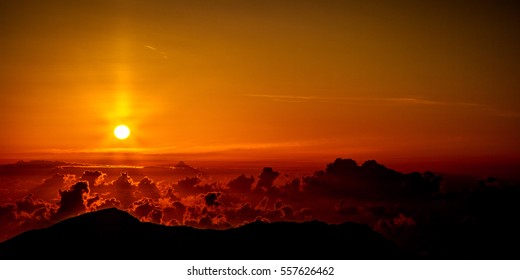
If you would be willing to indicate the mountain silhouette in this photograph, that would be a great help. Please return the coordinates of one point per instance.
(115, 234)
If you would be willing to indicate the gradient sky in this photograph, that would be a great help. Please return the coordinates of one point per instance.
(396, 80)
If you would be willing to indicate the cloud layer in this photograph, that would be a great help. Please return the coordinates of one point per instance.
(396, 204)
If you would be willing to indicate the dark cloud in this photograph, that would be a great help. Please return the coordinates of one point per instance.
(174, 213)
(31, 168)
(347, 210)
(106, 203)
(243, 212)
(209, 221)
(92, 200)
(306, 213)
(195, 185)
(190, 201)
(277, 211)
(146, 210)
(292, 186)
(403, 220)
(288, 212)
(343, 191)
(147, 188)
(188, 184)
(401, 229)
(49, 188)
(73, 201)
(182, 170)
(344, 178)
(24, 214)
(7, 214)
(266, 179)
(262, 205)
(142, 207)
(241, 184)
(28, 204)
(155, 216)
(492, 203)
(34, 208)
(94, 178)
(8, 224)
(123, 189)
(171, 193)
(207, 187)
(378, 211)
(211, 199)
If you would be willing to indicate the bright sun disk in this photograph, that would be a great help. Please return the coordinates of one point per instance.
(122, 132)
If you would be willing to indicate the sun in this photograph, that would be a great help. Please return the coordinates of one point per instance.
(122, 132)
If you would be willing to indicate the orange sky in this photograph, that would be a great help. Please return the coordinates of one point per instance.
(403, 81)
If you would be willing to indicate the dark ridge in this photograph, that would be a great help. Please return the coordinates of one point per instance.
(115, 234)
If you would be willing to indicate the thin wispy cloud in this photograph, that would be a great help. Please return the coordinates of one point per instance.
(105, 150)
(359, 100)
(391, 101)
(240, 146)
(154, 49)
(286, 98)
(193, 149)
(409, 100)
(354, 100)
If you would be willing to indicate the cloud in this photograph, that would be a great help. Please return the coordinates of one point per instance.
(182, 169)
(287, 98)
(402, 206)
(345, 209)
(155, 216)
(212, 199)
(266, 179)
(146, 210)
(147, 188)
(278, 211)
(34, 167)
(403, 220)
(292, 187)
(190, 201)
(73, 201)
(241, 184)
(8, 218)
(391, 101)
(188, 183)
(7, 214)
(244, 212)
(195, 201)
(409, 100)
(94, 178)
(349, 99)
(262, 205)
(174, 213)
(24, 214)
(400, 228)
(123, 188)
(91, 200)
(28, 204)
(345, 179)
(154, 49)
(49, 188)
(209, 221)
(195, 185)
(171, 193)
(103, 203)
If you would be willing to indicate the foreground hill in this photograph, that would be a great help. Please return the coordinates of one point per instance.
(115, 234)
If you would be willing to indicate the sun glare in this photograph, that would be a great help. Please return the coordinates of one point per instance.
(122, 132)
